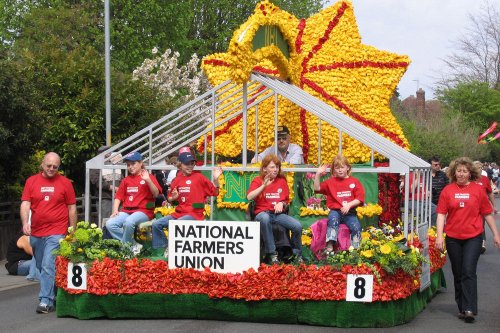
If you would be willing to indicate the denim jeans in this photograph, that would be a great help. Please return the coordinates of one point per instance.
(122, 226)
(464, 254)
(335, 218)
(159, 238)
(46, 264)
(266, 220)
(28, 268)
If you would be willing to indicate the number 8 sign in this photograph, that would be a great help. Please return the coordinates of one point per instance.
(77, 276)
(359, 288)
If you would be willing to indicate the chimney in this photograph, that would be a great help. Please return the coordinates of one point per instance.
(420, 102)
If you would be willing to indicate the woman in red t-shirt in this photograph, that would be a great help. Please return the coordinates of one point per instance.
(271, 195)
(136, 194)
(343, 194)
(463, 204)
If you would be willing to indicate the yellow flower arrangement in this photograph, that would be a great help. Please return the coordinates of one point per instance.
(369, 210)
(326, 58)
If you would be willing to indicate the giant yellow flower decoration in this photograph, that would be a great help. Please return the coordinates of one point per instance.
(324, 56)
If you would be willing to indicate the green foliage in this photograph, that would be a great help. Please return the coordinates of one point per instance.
(446, 134)
(390, 252)
(479, 104)
(85, 244)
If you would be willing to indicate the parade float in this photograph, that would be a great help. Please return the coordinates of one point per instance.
(316, 77)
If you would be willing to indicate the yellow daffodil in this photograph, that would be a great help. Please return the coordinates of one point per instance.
(367, 253)
(385, 249)
(323, 55)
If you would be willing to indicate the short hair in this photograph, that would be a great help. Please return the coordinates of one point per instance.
(339, 161)
(475, 173)
(434, 159)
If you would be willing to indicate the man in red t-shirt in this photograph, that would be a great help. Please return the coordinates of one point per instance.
(51, 199)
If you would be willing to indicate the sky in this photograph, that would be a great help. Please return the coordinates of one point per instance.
(422, 29)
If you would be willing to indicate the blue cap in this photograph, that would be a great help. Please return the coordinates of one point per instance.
(133, 156)
(185, 158)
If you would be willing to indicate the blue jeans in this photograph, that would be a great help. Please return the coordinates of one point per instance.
(335, 218)
(159, 238)
(46, 264)
(123, 225)
(266, 220)
(28, 268)
(464, 254)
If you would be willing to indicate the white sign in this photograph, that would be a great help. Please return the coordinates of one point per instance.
(359, 288)
(77, 276)
(223, 246)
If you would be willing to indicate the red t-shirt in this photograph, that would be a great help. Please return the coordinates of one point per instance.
(484, 181)
(193, 190)
(275, 192)
(134, 193)
(49, 198)
(341, 190)
(465, 208)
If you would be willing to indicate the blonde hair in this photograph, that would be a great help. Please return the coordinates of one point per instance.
(340, 161)
(475, 172)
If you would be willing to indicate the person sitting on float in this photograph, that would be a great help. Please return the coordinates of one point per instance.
(270, 192)
(190, 189)
(136, 193)
(343, 194)
(287, 152)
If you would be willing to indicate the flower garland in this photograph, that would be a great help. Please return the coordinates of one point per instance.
(221, 204)
(368, 210)
(389, 196)
(327, 59)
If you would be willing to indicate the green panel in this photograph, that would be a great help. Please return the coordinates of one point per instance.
(270, 35)
(196, 306)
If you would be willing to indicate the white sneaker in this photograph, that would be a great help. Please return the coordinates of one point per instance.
(136, 248)
(165, 254)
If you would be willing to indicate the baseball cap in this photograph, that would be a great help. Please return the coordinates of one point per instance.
(185, 158)
(133, 156)
(184, 150)
(283, 130)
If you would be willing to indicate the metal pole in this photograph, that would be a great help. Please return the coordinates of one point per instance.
(107, 72)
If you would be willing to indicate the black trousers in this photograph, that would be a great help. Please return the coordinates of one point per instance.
(464, 254)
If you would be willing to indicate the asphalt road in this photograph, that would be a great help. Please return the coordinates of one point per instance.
(17, 312)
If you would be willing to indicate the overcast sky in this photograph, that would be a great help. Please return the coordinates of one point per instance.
(422, 29)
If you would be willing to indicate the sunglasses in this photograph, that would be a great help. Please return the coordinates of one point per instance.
(52, 166)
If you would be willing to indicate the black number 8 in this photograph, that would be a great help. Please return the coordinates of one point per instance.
(359, 290)
(77, 276)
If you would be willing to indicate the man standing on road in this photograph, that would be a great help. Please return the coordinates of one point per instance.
(439, 179)
(51, 199)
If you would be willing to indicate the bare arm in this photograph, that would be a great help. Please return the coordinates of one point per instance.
(72, 216)
(440, 227)
(255, 193)
(317, 177)
(152, 187)
(490, 220)
(25, 213)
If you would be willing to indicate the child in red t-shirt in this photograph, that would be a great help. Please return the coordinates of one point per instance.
(190, 189)
(343, 194)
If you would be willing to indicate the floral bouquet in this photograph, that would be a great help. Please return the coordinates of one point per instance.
(390, 253)
(85, 244)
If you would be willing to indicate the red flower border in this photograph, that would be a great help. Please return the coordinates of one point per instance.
(277, 282)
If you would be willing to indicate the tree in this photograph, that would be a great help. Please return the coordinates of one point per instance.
(55, 49)
(447, 134)
(19, 130)
(477, 57)
(479, 104)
